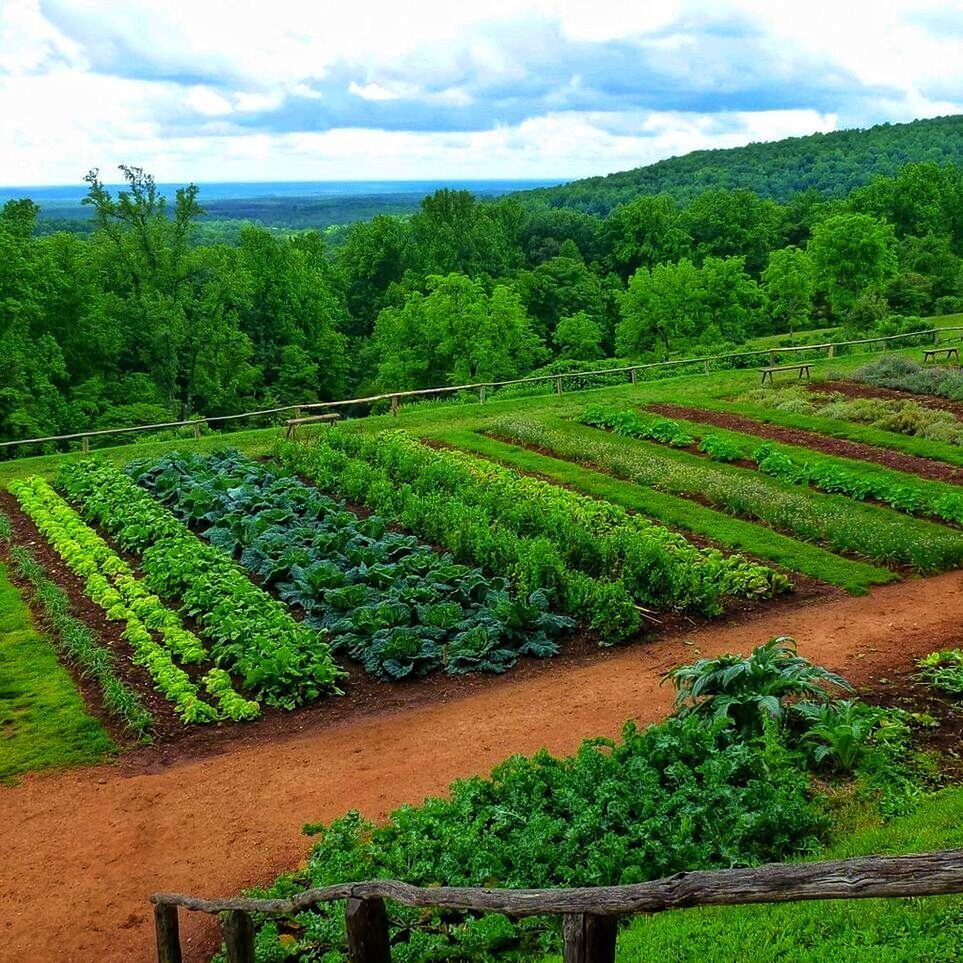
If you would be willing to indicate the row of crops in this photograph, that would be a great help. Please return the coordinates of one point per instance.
(837, 522)
(592, 558)
(156, 633)
(384, 598)
(241, 584)
(904, 493)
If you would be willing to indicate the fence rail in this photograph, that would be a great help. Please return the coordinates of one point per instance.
(481, 387)
(589, 914)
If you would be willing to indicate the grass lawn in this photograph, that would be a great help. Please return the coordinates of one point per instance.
(43, 721)
(866, 931)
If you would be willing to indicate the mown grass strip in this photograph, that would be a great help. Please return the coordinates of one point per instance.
(44, 723)
(731, 533)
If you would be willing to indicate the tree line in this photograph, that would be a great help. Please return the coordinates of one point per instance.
(149, 319)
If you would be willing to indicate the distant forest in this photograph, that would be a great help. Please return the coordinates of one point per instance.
(832, 165)
(159, 314)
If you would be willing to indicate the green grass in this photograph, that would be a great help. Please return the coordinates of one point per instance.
(724, 530)
(862, 931)
(43, 721)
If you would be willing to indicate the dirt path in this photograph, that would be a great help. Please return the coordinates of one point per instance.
(81, 851)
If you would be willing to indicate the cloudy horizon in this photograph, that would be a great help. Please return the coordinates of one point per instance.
(214, 91)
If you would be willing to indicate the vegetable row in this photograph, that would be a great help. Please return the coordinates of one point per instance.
(250, 635)
(81, 647)
(828, 475)
(591, 557)
(154, 632)
(392, 603)
(845, 526)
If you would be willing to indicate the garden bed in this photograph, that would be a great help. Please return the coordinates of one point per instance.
(914, 465)
(856, 389)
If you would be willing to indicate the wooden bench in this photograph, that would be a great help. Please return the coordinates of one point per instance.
(293, 423)
(803, 369)
(929, 354)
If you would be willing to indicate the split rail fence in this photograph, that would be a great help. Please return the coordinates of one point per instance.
(589, 915)
(483, 389)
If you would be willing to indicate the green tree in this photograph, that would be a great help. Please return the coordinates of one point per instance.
(663, 304)
(789, 285)
(852, 254)
(453, 233)
(578, 337)
(645, 232)
(373, 257)
(680, 303)
(725, 223)
(295, 299)
(560, 287)
(455, 333)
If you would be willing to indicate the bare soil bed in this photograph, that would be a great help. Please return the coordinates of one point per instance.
(924, 467)
(84, 849)
(856, 389)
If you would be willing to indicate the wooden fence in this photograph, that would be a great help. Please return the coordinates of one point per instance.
(482, 388)
(589, 915)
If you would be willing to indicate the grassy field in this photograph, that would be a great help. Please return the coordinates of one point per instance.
(43, 721)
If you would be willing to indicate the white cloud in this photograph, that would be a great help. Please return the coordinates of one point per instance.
(242, 89)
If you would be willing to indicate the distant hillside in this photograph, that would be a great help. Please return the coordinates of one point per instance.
(832, 164)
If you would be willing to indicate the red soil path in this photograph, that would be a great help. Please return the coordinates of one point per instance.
(81, 851)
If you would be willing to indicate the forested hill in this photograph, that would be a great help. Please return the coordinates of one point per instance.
(831, 164)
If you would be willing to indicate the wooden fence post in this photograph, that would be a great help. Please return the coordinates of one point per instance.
(197, 431)
(238, 930)
(168, 933)
(366, 923)
(481, 395)
(588, 938)
(634, 375)
(706, 365)
(85, 444)
(558, 385)
(832, 351)
(394, 405)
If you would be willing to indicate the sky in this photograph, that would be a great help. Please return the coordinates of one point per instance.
(240, 90)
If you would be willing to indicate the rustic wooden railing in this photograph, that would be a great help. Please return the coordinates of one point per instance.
(589, 915)
(483, 388)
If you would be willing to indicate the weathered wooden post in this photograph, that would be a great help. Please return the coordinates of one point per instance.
(705, 364)
(394, 405)
(85, 444)
(197, 431)
(167, 929)
(558, 385)
(481, 395)
(366, 923)
(238, 928)
(772, 358)
(634, 375)
(588, 938)
(832, 351)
